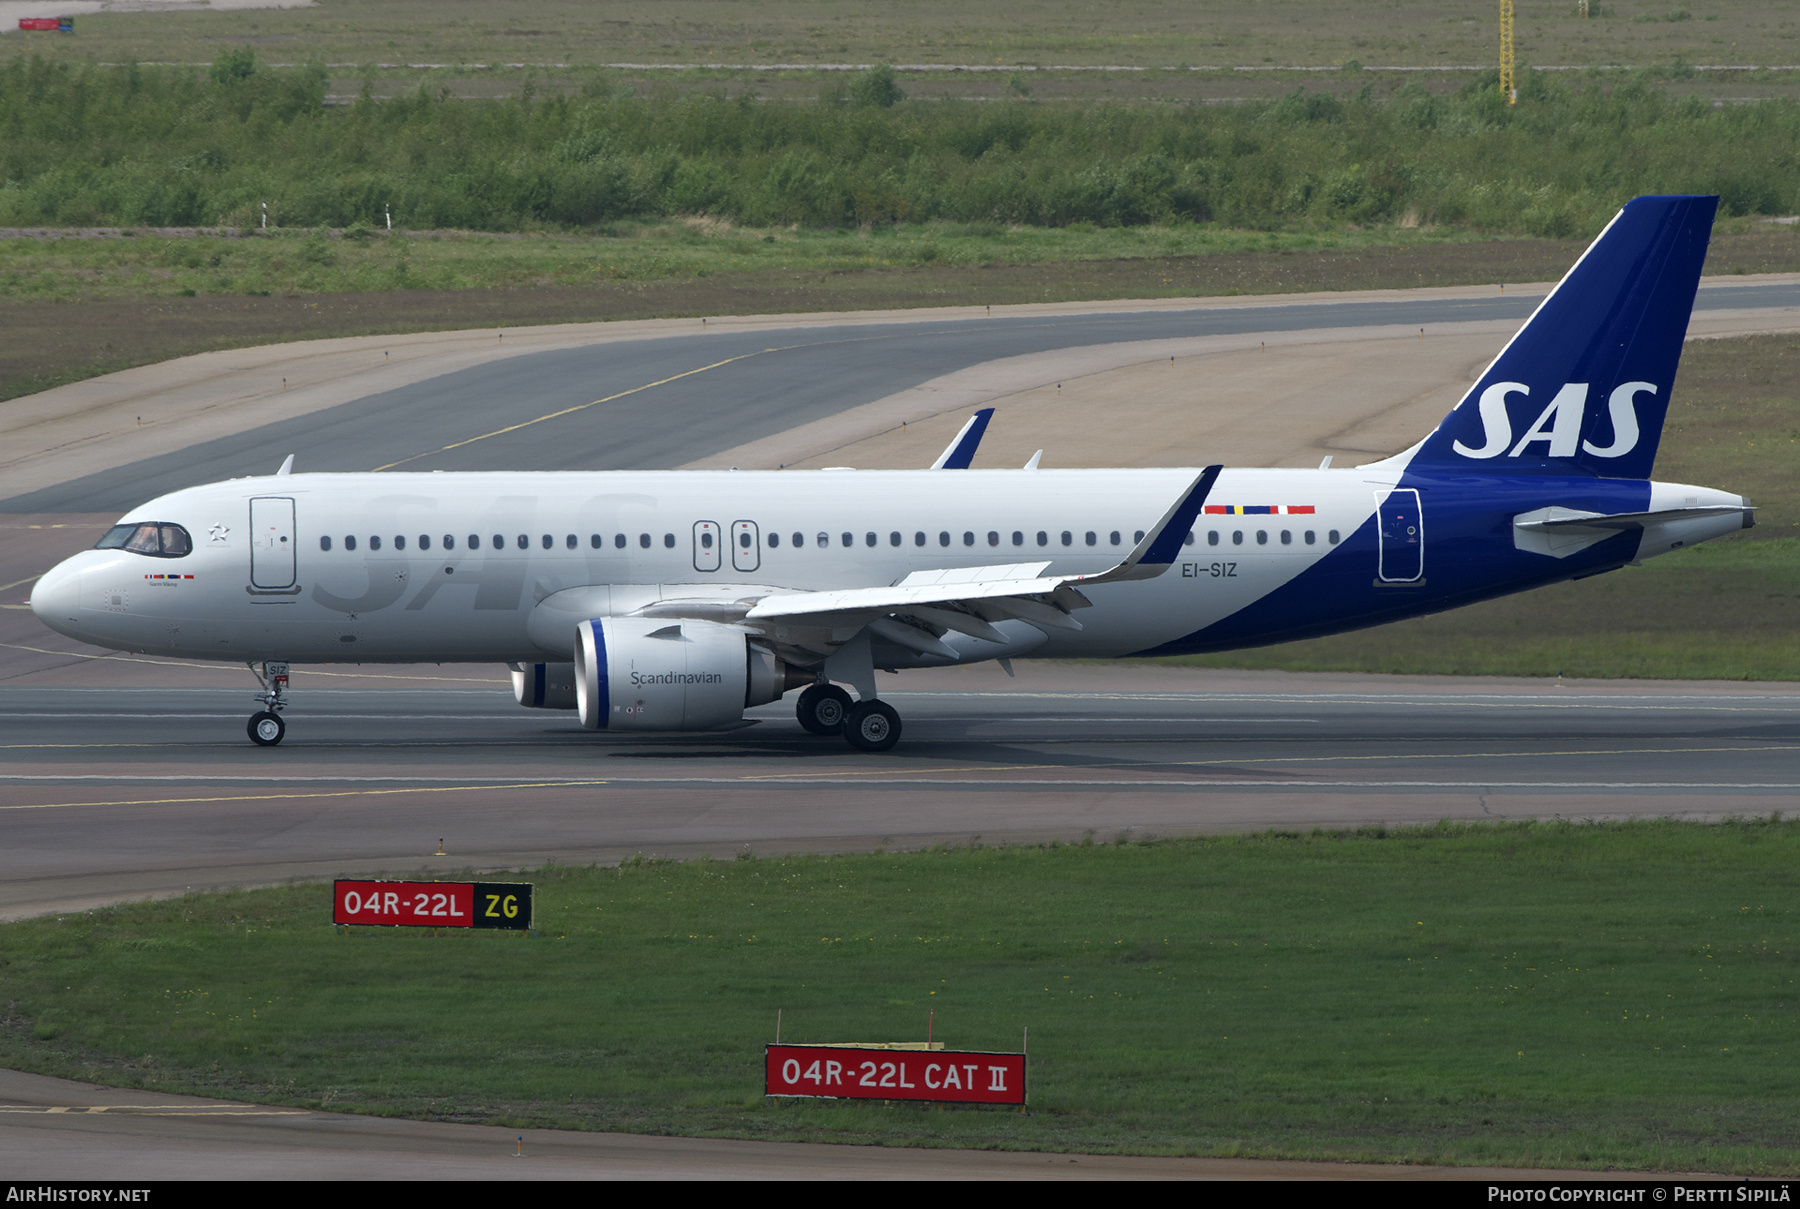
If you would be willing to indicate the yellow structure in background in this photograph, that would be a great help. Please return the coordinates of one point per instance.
(1507, 87)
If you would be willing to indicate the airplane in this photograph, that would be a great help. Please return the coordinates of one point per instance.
(648, 601)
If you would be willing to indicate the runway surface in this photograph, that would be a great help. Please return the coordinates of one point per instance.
(707, 393)
(103, 797)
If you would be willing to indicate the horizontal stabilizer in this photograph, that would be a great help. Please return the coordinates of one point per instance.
(1568, 519)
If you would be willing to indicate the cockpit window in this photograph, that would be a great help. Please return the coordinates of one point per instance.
(158, 539)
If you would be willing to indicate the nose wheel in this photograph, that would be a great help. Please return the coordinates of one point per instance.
(266, 728)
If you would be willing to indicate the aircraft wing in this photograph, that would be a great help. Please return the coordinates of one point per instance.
(968, 599)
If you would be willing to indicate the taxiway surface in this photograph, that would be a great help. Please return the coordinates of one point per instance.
(669, 400)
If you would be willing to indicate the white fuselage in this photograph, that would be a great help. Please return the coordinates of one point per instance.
(450, 567)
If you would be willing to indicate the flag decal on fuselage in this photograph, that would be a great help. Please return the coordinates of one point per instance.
(1259, 510)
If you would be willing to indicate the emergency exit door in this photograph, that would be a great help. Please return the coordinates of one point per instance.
(271, 544)
(746, 546)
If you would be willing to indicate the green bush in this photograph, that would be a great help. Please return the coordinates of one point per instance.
(177, 147)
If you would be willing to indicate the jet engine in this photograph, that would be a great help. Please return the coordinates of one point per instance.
(544, 685)
(638, 673)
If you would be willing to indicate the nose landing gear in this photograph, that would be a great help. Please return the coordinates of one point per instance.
(265, 727)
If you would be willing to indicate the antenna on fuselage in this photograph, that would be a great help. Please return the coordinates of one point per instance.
(287, 466)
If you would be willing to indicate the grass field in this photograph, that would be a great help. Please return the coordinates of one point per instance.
(1140, 33)
(1568, 995)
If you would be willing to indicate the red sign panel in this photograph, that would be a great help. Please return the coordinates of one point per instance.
(433, 904)
(843, 1072)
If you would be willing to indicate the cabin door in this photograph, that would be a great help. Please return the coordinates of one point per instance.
(1402, 534)
(271, 544)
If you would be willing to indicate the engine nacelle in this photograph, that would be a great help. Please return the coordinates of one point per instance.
(644, 673)
(544, 685)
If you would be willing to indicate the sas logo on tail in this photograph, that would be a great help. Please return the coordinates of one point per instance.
(1558, 427)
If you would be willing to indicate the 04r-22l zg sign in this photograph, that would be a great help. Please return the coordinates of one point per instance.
(433, 904)
(852, 1073)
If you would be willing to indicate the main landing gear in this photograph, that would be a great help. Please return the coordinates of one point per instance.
(265, 727)
(826, 709)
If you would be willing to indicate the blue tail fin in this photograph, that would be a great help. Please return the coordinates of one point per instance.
(1584, 386)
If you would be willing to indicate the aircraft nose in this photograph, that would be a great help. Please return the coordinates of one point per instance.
(56, 596)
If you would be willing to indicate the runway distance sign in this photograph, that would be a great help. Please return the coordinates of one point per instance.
(433, 904)
(844, 1072)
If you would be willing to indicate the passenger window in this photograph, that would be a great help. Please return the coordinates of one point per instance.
(424, 541)
(474, 541)
(374, 543)
(324, 543)
(1189, 539)
(570, 541)
(894, 538)
(919, 538)
(618, 541)
(1310, 537)
(593, 541)
(993, 538)
(799, 540)
(1068, 538)
(823, 540)
(869, 540)
(499, 542)
(449, 541)
(1018, 538)
(399, 542)
(1237, 537)
(350, 543)
(1092, 538)
(848, 539)
(706, 541)
(1287, 538)
(1138, 538)
(1262, 537)
(644, 541)
(1332, 537)
(1212, 537)
(669, 541)
(1043, 538)
(524, 542)
(774, 539)
(968, 538)
(1114, 537)
(943, 537)
(744, 540)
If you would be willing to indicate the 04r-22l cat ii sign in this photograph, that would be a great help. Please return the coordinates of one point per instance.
(848, 1072)
(676, 600)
